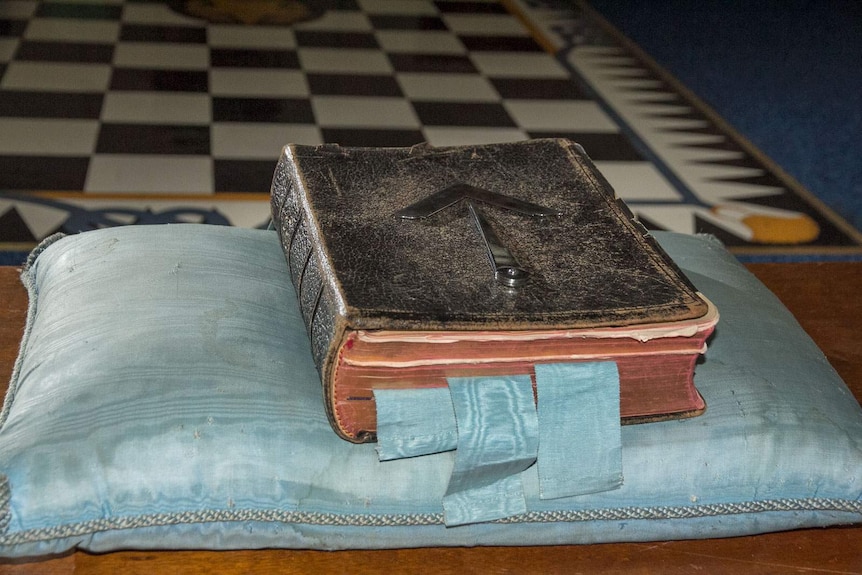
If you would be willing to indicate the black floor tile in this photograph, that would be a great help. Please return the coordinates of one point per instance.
(78, 11)
(50, 105)
(160, 80)
(350, 85)
(463, 114)
(449, 64)
(149, 139)
(43, 173)
(148, 33)
(464, 7)
(538, 89)
(601, 147)
(281, 110)
(242, 175)
(396, 22)
(12, 28)
(236, 58)
(371, 137)
(65, 52)
(321, 39)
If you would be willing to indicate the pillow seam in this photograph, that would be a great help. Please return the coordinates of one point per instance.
(334, 519)
(29, 281)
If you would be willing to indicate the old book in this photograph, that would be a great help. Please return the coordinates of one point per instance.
(417, 264)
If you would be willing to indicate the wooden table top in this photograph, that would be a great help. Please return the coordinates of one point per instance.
(825, 299)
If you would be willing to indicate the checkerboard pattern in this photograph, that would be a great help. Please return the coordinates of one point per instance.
(134, 97)
(126, 111)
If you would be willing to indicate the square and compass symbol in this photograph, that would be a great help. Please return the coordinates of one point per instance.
(504, 264)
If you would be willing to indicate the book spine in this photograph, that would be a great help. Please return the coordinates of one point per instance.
(293, 224)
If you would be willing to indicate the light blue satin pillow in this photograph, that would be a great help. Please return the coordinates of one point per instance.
(164, 397)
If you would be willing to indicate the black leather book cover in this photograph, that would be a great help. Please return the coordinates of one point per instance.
(515, 236)
(588, 263)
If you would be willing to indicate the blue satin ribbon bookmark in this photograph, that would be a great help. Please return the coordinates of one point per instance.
(498, 431)
(498, 438)
(580, 445)
(413, 422)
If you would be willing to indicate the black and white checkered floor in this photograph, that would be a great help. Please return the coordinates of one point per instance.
(125, 111)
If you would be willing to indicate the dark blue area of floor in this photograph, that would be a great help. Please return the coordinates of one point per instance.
(12, 258)
(787, 74)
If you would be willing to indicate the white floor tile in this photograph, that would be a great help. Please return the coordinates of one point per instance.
(567, 116)
(229, 36)
(354, 112)
(150, 174)
(38, 136)
(56, 77)
(673, 218)
(18, 9)
(7, 48)
(485, 24)
(518, 65)
(156, 108)
(638, 181)
(338, 21)
(247, 82)
(338, 60)
(67, 30)
(399, 7)
(157, 14)
(451, 136)
(259, 141)
(158, 56)
(447, 87)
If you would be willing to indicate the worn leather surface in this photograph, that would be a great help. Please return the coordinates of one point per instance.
(357, 265)
(591, 266)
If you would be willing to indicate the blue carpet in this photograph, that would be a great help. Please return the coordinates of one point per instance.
(787, 74)
(12, 258)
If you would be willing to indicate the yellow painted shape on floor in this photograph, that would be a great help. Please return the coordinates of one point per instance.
(799, 229)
